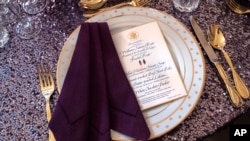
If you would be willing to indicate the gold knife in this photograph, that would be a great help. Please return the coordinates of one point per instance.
(234, 95)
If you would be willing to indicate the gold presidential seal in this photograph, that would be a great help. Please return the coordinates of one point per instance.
(133, 35)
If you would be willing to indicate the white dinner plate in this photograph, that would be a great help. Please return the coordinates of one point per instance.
(183, 47)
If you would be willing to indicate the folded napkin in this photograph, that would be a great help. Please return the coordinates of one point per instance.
(96, 95)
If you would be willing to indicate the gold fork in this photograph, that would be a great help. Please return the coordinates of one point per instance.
(237, 8)
(47, 87)
(137, 3)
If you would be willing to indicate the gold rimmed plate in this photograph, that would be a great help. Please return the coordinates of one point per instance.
(183, 47)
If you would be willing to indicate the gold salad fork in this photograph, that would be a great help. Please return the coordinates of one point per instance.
(136, 3)
(237, 8)
(47, 87)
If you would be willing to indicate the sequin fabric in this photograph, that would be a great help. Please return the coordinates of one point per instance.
(22, 106)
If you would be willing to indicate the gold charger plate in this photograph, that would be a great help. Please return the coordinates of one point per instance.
(183, 47)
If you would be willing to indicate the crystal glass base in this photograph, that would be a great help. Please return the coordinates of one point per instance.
(34, 6)
(28, 27)
(4, 36)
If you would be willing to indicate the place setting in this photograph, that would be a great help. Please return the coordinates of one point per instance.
(184, 49)
(128, 20)
(132, 71)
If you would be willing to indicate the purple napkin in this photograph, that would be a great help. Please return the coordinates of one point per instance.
(96, 95)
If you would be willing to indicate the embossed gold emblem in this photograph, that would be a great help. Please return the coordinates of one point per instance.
(133, 35)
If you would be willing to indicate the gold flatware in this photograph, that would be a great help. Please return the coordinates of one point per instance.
(233, 93)
(237, 8)
(217, 40)
(136, 3)
(47, 87)
(91, 4)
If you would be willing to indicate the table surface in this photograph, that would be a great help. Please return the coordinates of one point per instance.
(22, 106)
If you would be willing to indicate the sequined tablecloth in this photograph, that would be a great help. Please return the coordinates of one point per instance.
(22, 106)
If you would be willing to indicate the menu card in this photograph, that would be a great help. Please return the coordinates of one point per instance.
(148, 64)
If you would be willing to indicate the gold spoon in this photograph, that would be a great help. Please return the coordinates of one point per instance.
(217, 40)
(131, 3)
(91, 4)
